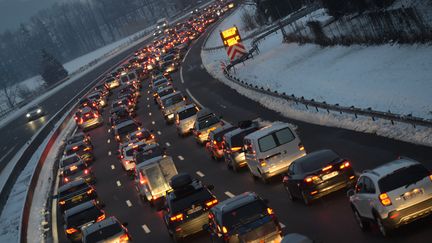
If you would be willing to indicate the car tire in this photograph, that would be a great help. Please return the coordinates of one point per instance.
(290, 196)
(305, 198)
(235, 168)
(254, 177)
(381, 227)
(363, 224)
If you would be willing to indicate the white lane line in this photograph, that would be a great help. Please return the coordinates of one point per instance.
(148, 106)
(200, 174)
(112, 167)
(7, 153)
(149, 113)
(148, 91)
(195, 100)
(153, 122)
(118, 183)
(159, 132)
(281, 225)
(109, 153)
(146, 229)
(229, 194)
(184, 58)
(129, 203)
(180, 157)
(75, 130)
(109, 130)
(181, 73)
(167, 144)
(109, 141)
(148, 98)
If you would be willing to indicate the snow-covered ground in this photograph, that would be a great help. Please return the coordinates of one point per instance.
(389, 77)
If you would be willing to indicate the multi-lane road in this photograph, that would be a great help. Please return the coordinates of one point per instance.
(327, 220)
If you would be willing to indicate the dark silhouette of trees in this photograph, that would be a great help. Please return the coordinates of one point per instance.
(52, 70)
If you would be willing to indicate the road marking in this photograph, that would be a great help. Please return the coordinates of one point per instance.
(223, 106)
(153, 122)
(146, 229)
(149, 113)
(109, 141)
(112, 167)
(75, 130)
(229, 194)
(148, 98)
(148, 106)
(196, 101)
(167, 144)
(200, 174)
(159, 132)
(281, 225)
(118, 183)
(180, 157)
(7, 153)
(129, 203)
(109, 153)
(109, 130)
(184, 58)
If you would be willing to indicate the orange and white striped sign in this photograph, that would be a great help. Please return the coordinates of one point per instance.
(236, 51)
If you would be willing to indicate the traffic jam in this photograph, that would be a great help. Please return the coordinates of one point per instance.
(119, 113)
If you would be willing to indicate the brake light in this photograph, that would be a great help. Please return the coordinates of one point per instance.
(87, 149)
(71, 231)
(62, 202)
(344, 165)
(95, 115)
(327, 168)
(211, 203)
(309, 179)
(301, 147)
(214, 142)
(385, 200)
(124, 238)
(262, 162)
(178, 217)
(66, 179)
(270, 211)
(139, 134)
(224, 230)
(235, 149)
(117, 138)
(90, 191)
(152, 136)
(86, 171)
(100, 218)
(75, 148)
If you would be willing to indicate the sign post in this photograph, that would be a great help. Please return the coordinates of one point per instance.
(233, 43)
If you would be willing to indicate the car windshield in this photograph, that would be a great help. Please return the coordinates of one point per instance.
(205, 123)
(185, 202)
(187, 113)
(403, 177)
(104, 233)
(132, 76)
(130, 152)
(74, 169)
(173, 100)
(128, 129)
(244, 214)
(83, 217)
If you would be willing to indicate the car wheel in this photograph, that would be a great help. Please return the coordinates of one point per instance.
(235, 168)
(360, 221)
(290, 196)
(305, 198)
(382, 228)
(254, 177)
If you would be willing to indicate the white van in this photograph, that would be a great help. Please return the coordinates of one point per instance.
(270, 150)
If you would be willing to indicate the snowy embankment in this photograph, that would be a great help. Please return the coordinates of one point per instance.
(389, 77)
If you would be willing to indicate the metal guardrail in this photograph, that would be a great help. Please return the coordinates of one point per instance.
(312, 104)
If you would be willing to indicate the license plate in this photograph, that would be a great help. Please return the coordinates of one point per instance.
(78, 198)
(330, 175)
(194, 210)
(412, 194)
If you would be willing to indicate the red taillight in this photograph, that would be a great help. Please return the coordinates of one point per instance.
(74, 148)
(71, 231)
(270, 211)
(66, 179)
(327, 168)
(177, 217)
(344, 165)
(211, 203)
(86, 171)
(124, 238)
(95, 115)
(139, 134)
(90, 191)
(100, 218)
(385, 200)
(430, 177)
(309, 179)
(62, 202)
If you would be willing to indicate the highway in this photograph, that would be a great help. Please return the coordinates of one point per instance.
(329, 219)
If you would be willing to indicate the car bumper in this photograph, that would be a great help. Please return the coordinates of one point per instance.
(92, 124)
(318, 192)
(192, 226)
(408, 215)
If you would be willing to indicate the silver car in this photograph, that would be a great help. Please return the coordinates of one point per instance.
(108, 230)
(185, 119)
(171, 103)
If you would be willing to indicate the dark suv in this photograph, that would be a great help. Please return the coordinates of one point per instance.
(244, 218)
(74, 193)
(187, 206)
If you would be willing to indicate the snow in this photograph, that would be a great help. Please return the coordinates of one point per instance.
(387, 77)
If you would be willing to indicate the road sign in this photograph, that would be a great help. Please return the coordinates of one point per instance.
(236, 51)
(230, 36)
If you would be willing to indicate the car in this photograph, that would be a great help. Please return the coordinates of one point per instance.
(149, 152)
(87, 103)
(81, 216)
(392, 195)
(123, 129)
(74, 193)
(318, 174)
(77, 171)
(127, 155)
(270, 150)
(130, 104)
(84, 150)
(187, 206)
(233, 145)
(160, 84)
(98, 98)
(215, 144)
(171, 103)
(112, 82)
(107, 230)
(35, 112)
(79, 137)
(67, 160)
(243, 218)
(103, 89)
(89, 118)
(185, 119)
(206, 121)
(160, 94)
(143, 134)
(128, 78)
(120, 112)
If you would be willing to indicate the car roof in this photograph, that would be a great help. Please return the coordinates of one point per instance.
(235, 202)
(267, 130)
(223, 128)
(390, 167)
(150, 161)
(125, 123)
(232, 133)
(72, 184)
(99, 225)
(204, 112)
(79, 208)
(86, 109)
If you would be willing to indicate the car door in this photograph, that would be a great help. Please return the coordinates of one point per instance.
(250, 156)
(369, 197)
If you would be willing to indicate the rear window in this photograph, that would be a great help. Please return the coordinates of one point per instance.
(132, 76)
(76, 188)
(187, 113)
(173, 100)
(144, 134)
(70, 160)
(104, 233)
(149, 154)
(198, 196)
(313, 165)
(130, 152)
(74, 169)
(128, 129)
(83, 217)
(284, 136)
(266, 143)
(244, 214)
(403, 177)
(237, 140)
(208, 122)
(275, 139)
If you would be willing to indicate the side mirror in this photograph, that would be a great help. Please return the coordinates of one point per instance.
(210, 187)
(350, 192)
(206, 227)
(125, 224)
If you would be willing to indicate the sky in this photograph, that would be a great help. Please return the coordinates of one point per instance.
(13, 12)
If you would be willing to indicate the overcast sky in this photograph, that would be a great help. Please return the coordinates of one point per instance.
(13, 12)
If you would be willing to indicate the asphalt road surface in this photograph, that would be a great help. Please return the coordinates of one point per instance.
(329, 219)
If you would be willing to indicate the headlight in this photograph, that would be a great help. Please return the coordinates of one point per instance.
(158, 27)
(28, 115)
(170, 116)
(39, 111)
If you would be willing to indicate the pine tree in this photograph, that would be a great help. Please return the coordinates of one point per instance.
(52, 70)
